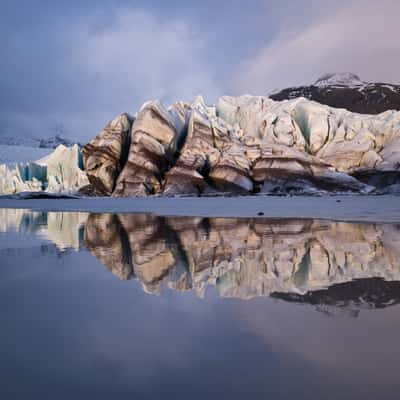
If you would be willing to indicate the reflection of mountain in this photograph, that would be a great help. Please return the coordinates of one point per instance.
(245, 258)
(360, 293)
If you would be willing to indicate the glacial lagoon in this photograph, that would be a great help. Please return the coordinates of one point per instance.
(102, 305)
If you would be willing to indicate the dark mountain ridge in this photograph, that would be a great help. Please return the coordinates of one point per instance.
(346, 90)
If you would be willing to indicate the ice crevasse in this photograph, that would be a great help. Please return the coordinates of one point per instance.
(241, 145)
(60, 172)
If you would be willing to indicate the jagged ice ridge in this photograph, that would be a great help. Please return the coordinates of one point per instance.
(242, 145)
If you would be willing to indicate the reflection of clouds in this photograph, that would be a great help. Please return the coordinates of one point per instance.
(345, 348)
(84, 324)
(156, 334)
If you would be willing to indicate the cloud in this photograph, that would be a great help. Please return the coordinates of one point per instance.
(361, 37)
(80, 74)
(78, 65)
(144, 56)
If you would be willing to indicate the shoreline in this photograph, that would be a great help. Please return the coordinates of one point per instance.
(348, 208)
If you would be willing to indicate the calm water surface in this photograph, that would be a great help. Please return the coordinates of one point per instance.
(142, 307)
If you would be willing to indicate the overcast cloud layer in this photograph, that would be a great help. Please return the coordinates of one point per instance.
(79, 63)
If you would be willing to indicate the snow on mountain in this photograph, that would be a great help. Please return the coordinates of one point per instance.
(55, 141)
(14, 150)
(45, 143)
(339, 79)
(346, 90)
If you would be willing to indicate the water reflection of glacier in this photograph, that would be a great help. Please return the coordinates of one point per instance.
(64, 229)
(306, 261)
(243, 258)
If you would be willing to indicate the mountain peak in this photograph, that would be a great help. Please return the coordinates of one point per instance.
(339, 79)
(346, 90)
(45, 143)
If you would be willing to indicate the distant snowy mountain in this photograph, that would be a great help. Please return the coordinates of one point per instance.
(46, 143)
(55, 141)
(346, 79)
(346, 90)
(12, 154)
(25, 149)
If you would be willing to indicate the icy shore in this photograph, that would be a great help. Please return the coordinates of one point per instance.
(342, 208)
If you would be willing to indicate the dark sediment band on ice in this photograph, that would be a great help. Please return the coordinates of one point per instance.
(241, 146)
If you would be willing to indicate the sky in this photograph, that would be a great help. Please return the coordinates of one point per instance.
(71, 66)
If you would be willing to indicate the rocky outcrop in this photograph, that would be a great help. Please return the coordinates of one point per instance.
(346, 91)
(246, 258)
(106, 154)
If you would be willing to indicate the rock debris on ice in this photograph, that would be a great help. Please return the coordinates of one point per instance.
(241, 145)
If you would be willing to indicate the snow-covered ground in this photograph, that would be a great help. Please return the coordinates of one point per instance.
(15, 154)
(342, 208)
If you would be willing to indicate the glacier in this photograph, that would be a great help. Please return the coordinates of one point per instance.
(59, 172)
(240, 145)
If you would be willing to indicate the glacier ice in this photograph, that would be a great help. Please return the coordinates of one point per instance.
(245, 144)
(65, 172)
(21, 178)
(59, 172)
